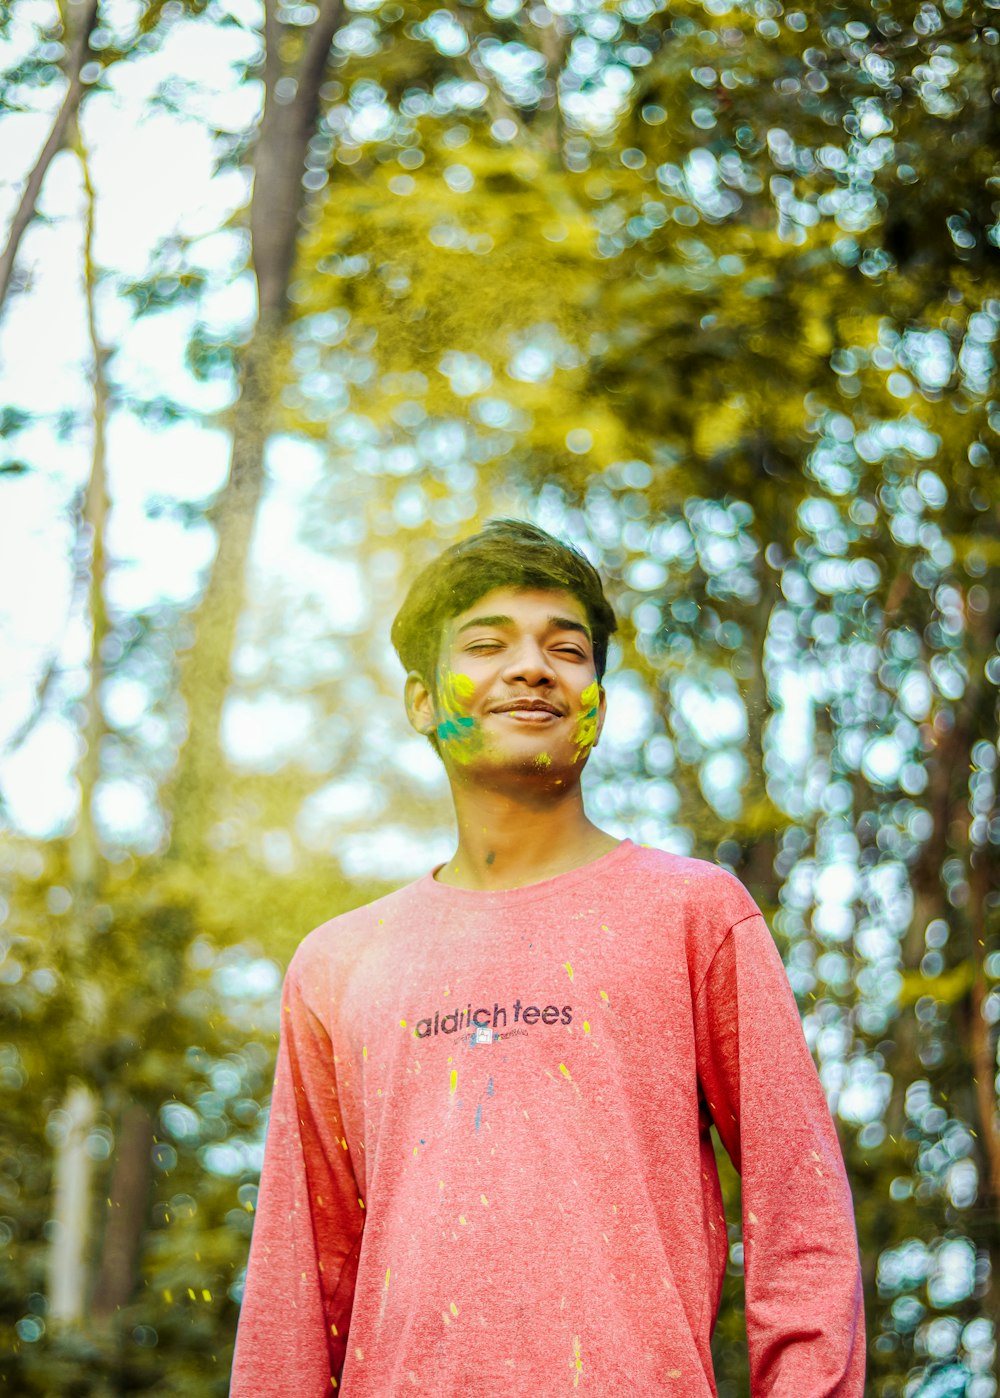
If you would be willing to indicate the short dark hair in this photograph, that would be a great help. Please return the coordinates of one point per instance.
(504, 553)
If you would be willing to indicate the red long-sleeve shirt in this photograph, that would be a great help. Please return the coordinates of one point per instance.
(488, 1165)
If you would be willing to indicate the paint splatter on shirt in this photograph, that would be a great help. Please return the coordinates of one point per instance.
(489, 1168)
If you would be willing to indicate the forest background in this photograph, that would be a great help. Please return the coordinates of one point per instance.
(292, 296)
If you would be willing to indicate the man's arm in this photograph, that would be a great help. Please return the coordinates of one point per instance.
(804, 1304)
(303, 1259)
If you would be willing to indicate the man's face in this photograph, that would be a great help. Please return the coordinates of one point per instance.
(515, 647)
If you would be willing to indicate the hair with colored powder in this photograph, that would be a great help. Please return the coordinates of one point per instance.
(510, 553)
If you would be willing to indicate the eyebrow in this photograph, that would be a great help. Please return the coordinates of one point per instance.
(559, 623)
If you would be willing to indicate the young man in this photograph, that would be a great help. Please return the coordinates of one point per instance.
(488, 1166)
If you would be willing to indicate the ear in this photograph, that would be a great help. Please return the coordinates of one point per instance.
(419, 703)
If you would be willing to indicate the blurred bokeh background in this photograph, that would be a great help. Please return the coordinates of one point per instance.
(709, 289)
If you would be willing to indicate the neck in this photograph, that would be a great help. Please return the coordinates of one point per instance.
(506, 839)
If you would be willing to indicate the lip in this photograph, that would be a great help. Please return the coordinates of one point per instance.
(522, 706)
(528, 715)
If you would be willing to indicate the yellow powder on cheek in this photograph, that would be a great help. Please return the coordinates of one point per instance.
(456, 689)
(585, 727)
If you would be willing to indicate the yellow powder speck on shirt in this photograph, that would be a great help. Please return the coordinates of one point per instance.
(453, 1308)
(565, 1071)
(402, 1024)
(462, 1219)
(485, 1200)
(586, 1026)
(569, 970)
(454, 1079)
(604, 995)
(387, 1270)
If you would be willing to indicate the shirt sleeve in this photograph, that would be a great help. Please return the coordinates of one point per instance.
(804, 1303)
(299, 1290)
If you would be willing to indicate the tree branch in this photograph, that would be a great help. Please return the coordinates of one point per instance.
(25, 210)
(279, 158)
(314, 60)
(49, 674)
(83, 844)
(273, 34)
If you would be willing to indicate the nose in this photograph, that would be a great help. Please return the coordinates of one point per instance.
(528, 662)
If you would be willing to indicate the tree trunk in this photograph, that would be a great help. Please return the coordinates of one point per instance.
(73, 1167)
(126, 1209)
(279, 162)
(206, 673)
(67, 1262)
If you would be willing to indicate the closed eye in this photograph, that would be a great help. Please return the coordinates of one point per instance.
(491, 645)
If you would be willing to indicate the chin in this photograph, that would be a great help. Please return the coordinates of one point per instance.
(543, 763)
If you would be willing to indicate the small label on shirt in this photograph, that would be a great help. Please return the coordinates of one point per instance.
(482, 1035)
